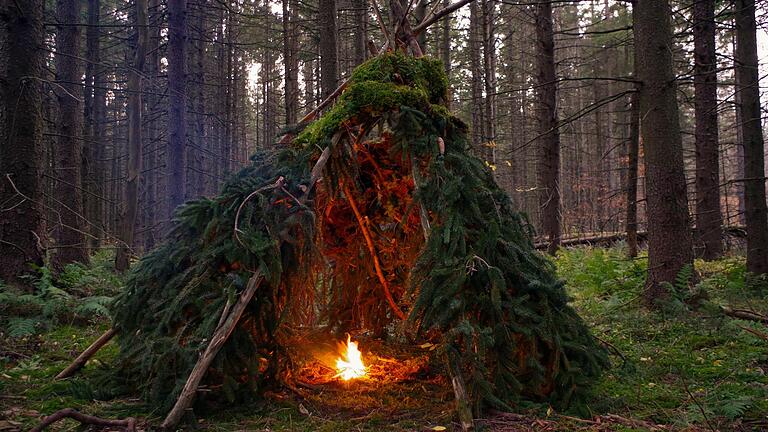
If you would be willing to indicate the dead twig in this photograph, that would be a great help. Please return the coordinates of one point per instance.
(129, 424)
(278, 183)
(698, 405)
(761, 335)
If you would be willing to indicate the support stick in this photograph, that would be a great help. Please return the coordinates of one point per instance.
(372, 249)
(423, 213)
(463, 408)
(220, 336)
(312, 114)
(87, 354)
(437, 15)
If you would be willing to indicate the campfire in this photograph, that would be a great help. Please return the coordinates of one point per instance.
(350, 365)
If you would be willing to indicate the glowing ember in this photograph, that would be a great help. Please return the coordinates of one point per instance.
(350, 364)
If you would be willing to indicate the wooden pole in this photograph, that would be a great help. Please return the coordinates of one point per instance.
(220, 336)
(463, 408)
(87, 354)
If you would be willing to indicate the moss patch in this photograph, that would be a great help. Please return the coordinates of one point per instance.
(384, 83)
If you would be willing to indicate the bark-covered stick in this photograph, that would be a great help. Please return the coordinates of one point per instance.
(87, 354)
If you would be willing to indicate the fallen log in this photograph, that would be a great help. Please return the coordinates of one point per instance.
(129, 424)
(610, 238)
(87, 354)
(744, 314)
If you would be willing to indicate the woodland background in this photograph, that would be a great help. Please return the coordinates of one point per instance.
(112, 113)
(217, 80)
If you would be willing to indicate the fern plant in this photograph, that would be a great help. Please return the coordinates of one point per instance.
(55, 300)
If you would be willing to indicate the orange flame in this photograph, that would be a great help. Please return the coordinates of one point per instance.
(350, 365)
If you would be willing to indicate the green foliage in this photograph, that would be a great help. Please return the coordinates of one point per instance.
(20, 327)
(423, 74)
(602, 274)
(78, 294)
(710, 355)
(672, 366)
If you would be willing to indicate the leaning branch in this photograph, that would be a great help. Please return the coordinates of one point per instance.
(228, 324)
(438, 15)
(87, 354)
(218, 339)
(372, 250)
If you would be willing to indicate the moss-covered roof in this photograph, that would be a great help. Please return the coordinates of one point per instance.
(381, 84)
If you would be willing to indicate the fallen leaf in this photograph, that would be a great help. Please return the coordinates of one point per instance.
(438, 428)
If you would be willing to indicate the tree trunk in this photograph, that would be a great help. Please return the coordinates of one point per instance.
(176, 153)
(71, 227)
(201, 138)
(489, 75)
(549, 136)
(446, 41)
(226, 148)
(445, 47)
(291, 60)
(739, 144)
(131, 202)
(709, 220)
(329, 65)
(21, 146)
(419, 13)
(633, 151)
(670, 245)
(361, 30)
(754, 153)
(476, 103)
(98, 146)
(309, 85)
(154, 103)
(90, 166)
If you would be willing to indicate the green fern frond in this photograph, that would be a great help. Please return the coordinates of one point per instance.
(21, 327)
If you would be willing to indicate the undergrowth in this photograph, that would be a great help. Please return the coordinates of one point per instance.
(80, 294)
(694, 368)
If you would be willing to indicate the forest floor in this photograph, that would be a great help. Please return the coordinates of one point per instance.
(672, 370)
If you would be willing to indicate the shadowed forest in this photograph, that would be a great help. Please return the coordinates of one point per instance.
(406, 215)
